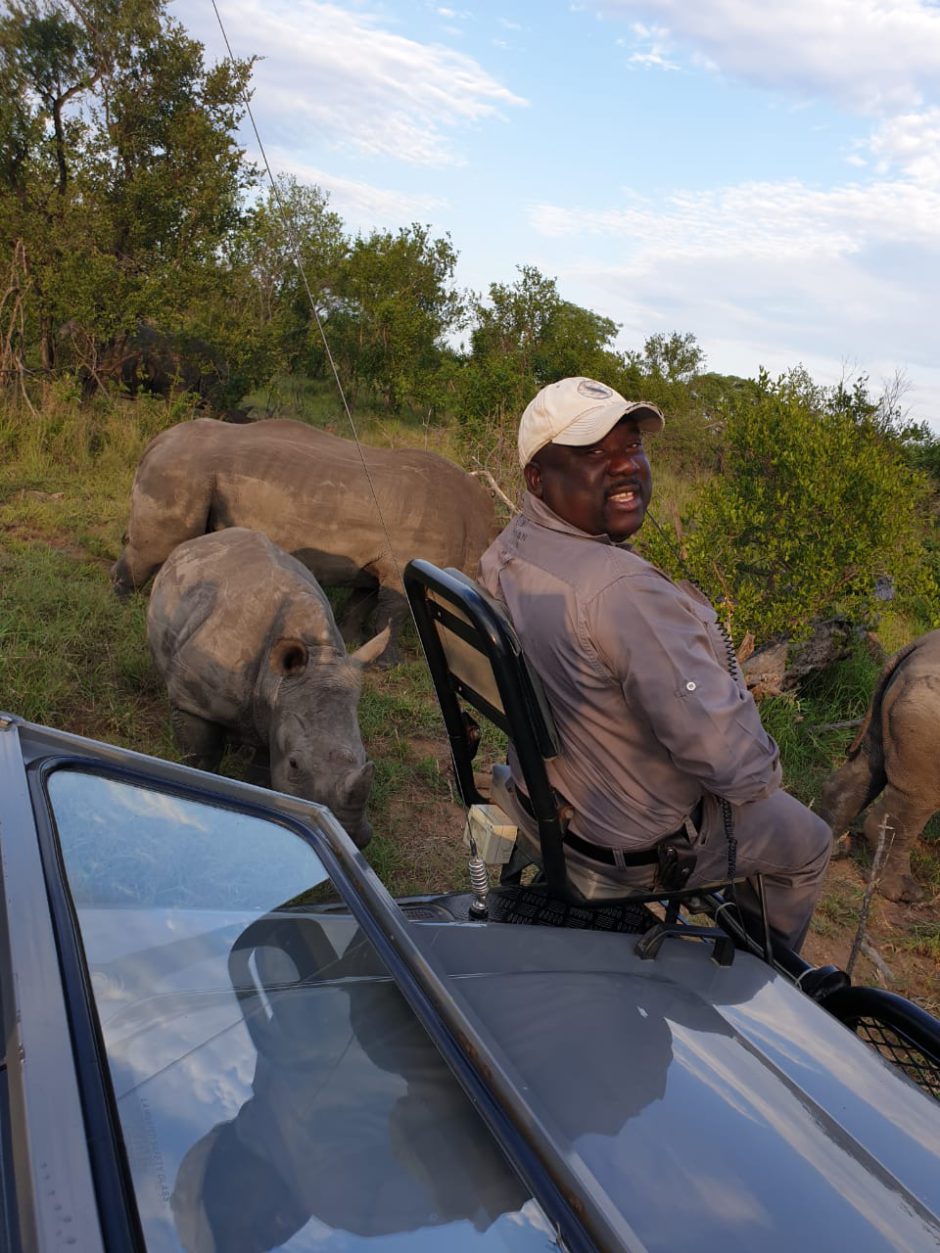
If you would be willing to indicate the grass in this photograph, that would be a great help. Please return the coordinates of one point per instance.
(315, 401)
(924, 938)
(837, 910)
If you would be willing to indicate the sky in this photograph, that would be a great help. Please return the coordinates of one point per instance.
(764, 176)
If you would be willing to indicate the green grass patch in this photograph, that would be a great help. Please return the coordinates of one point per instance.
(838, 910)
(924, 938)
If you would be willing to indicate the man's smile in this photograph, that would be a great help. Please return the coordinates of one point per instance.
(624, 494)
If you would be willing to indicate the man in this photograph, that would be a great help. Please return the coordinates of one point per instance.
(660, 737)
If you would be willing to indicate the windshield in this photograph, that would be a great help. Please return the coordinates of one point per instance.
(274, 1088)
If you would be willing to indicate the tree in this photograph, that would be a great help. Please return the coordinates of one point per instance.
(120, 175)
(394, 306)
(524, 336)
(292, 223)
(674, 357)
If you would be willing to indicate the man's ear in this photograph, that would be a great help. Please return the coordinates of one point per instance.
(533, 478)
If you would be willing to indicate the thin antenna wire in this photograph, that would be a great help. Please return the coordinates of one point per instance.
(288, 224)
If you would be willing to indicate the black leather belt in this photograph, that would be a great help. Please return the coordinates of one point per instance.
(599, 852)
(610, 856)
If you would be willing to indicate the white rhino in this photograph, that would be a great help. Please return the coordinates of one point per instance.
(245, 639)
(353, 515)
(894, 758)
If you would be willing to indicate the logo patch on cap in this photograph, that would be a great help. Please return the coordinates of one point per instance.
(596, 391)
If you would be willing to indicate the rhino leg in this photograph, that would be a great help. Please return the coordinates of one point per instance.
(392, 612)
(362, 601)
(904, 818)
(846, 792)
(201, 742)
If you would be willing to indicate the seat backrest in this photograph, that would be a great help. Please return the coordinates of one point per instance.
(475, 659)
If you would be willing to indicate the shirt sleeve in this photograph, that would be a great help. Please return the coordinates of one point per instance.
(667, 654)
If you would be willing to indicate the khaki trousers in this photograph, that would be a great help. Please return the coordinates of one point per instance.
(777, 837)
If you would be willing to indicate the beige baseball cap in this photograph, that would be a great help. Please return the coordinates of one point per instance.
(578, 411)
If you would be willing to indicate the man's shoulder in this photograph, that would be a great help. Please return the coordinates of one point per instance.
(587, 565)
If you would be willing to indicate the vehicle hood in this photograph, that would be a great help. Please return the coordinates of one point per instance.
(702, 1106)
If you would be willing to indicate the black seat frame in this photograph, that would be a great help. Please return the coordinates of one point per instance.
(507, 691)
(463, 608)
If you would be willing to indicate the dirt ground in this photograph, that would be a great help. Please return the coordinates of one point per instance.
(902, 962)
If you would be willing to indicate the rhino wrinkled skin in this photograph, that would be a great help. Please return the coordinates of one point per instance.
(894, 758)
(245, 640)
(353, 515)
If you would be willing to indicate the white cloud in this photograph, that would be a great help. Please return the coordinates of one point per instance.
(873, 56)
(354, 83)
(769, 220)
(360, 204)
(910, 142)
(772, 274)
(654, 48)
(654, 59)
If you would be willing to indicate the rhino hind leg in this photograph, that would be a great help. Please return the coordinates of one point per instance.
(392, 612)
(849, 790)
(903, 818)
(356, 614)
(201, 742)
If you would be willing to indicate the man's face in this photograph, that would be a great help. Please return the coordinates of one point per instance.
(601, 488)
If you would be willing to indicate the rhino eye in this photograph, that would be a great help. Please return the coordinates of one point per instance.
(293, 763)
(293, 660)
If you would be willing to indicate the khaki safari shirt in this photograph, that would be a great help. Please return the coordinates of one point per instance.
(636, 672)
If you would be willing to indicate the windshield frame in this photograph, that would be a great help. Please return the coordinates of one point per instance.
(537, 1159)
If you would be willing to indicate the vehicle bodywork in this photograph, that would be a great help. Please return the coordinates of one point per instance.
(222, 1032)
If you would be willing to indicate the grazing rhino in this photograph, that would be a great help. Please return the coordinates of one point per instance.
(354, 516)
(894, 758)
(245, 639)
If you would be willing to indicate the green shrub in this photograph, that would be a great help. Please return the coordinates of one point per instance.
(812, 506)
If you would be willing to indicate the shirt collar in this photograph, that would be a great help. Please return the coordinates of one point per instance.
(537, 511)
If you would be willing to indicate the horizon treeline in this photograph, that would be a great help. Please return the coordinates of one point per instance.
(127, 207)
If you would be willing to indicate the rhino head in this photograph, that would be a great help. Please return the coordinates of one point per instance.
(314, 743)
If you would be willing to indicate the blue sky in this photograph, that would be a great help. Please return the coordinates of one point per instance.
(766, 176)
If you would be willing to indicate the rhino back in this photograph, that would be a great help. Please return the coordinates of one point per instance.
(310, 490)
(217, 606)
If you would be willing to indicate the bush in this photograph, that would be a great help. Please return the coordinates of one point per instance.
(813, 505)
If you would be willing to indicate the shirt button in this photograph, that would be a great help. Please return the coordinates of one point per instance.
(690, 686)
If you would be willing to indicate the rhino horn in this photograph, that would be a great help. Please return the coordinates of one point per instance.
(372, 650)
(358, 783)
(288, 657)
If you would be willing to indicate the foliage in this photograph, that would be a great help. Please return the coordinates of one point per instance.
(120, 177)
(675, 358)
(395, 304)
(814, 505)
(524, 336)
(290, 251)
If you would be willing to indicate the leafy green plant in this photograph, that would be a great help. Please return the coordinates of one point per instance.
(812, 506)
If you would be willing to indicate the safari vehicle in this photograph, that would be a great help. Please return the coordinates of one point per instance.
(223, 1034)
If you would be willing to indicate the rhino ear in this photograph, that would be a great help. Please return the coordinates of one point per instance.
(288, 657)
(372, 650)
